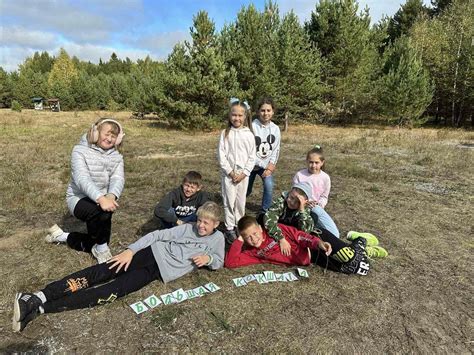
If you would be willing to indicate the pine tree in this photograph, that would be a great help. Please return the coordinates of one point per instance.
(405, 17)
(6, 89)
(197, 84)
(350, 59)
(405, 88)
(299, 66)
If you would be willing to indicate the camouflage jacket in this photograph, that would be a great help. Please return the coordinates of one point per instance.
(280, 213)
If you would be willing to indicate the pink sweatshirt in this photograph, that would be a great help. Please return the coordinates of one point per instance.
(321, 185)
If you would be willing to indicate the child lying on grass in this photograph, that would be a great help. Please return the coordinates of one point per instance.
(165, 254)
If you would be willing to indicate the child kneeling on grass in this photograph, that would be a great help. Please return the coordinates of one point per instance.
(255, 246)
(166, 254)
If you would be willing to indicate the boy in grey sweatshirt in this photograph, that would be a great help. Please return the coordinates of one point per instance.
(166, 254)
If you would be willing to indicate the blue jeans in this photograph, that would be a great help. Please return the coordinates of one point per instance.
(323, 220)
(267, 187)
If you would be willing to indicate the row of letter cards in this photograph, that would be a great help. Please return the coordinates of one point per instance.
(177, 296)
(270, 276)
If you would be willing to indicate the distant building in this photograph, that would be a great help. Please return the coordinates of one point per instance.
(38, 102)
(54, 105)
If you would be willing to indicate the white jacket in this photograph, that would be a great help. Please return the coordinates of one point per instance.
(237, 151)
(94, 172)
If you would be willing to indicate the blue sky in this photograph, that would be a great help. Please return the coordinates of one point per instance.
(131, 28)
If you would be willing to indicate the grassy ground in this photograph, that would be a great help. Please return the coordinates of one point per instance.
(412, 188)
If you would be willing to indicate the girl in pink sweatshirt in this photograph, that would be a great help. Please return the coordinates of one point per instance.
(321, 185)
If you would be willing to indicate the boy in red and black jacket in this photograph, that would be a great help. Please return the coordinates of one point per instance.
(255, 246)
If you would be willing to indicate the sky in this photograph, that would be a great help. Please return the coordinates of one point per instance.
(92, 29)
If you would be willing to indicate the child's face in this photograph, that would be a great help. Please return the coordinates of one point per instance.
(205, 226)
(237, 116)
(265, 113)
(295, 199)
(252, 235)
(106, 136)
(190, 189)
(314, 163)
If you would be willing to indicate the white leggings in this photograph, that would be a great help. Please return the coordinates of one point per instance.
(233, 196)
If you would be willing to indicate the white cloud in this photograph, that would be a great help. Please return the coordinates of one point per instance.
(72, 21)
(302, 8)
(161, 43)
(11, 57)
(22, 37)
(90, 52)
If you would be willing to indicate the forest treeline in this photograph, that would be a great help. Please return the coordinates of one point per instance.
(409, 69)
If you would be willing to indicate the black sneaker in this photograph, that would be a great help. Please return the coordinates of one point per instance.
(230, 236)
(25, 309)
(359, 263)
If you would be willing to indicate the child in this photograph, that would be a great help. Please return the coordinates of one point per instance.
(166, 254)
(292, 209)
(267, 140)
(97, 180)
(255, 246)
(236, 156)
(321, 185)
(180, 205)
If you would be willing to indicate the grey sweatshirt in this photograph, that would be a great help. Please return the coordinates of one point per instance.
(173, 249)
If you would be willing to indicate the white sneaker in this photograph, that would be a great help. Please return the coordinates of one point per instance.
(53, 233)
(101, 256)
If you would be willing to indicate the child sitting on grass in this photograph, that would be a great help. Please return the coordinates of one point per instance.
(166, 254)
(97, 180)
(180, 205)
(255, 246)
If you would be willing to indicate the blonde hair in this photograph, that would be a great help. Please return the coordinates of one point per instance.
(210, 210)
(247, 121)
(96, 127)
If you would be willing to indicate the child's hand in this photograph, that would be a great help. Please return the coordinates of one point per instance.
(201, 260)
(285, 247)
(107, 204)
(325, 246)
(111, 197)
(121, 260)
(239, 178)
(269, 170)
(179, 222)
(312, 203)
(303, 203)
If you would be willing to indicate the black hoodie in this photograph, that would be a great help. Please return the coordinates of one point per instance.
(182, 207)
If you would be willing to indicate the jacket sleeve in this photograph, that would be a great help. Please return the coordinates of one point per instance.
(217, 254)
(296, 179)
(163, 207)
(276, 150)
(158, 235)
(305, 221)
(237, 258)
(302, 239)
(323, 199)
(117, 180)
(252, 154)
(270, 220)
(222, 156)
(81, 176)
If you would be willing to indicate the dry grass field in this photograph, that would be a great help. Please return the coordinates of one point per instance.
(412, 188)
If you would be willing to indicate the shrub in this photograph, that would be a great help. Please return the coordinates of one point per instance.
(16, 106)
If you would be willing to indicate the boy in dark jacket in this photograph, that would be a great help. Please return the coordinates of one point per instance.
(180, 205)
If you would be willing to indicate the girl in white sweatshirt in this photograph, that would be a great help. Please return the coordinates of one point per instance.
(236, 156)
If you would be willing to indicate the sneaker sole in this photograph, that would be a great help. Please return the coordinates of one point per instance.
(16, 324)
